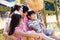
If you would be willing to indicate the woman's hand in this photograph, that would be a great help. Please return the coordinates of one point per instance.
(12, 38)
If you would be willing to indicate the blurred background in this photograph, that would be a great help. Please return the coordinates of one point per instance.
(50, 12)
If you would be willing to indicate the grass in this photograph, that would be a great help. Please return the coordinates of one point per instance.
(1, 35)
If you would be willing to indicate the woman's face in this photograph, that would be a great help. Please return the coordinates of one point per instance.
(20, 11)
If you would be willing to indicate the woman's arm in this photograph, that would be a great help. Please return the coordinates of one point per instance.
(5, 32)
(26, 34)
(34, 35)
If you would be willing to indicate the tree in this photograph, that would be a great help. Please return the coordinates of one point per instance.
(35, 4)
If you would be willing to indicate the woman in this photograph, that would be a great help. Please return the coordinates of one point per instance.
(15, 9)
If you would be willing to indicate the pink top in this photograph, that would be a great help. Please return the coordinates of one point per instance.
(20, 28)
(25, 20)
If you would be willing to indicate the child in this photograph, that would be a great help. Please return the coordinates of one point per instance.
(24, 15)
(35, 24)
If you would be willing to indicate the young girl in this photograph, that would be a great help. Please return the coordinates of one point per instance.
(24, 15)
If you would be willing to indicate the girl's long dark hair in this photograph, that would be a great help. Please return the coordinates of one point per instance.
(15, 18)
(25, 9)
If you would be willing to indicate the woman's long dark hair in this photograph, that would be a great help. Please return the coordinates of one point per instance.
(15, 18)
(15, 7)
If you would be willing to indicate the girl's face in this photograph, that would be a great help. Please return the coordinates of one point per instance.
(24, 14)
